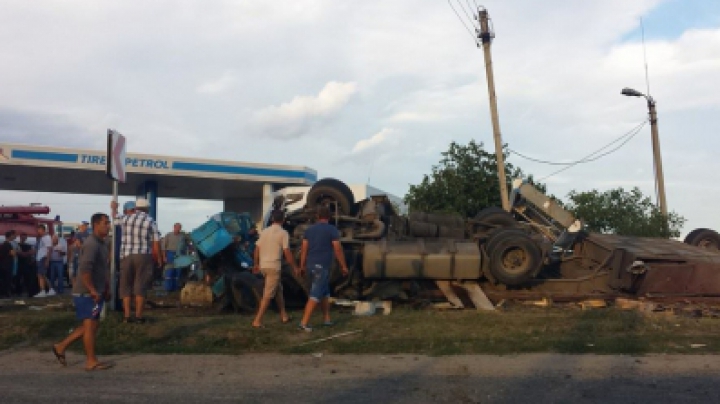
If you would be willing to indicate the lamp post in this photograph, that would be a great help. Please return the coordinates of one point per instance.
(659, 179)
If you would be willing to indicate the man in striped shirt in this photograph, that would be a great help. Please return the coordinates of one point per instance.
(140, 243)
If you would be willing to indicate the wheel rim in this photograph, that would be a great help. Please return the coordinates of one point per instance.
(515, 260)
(708, 243)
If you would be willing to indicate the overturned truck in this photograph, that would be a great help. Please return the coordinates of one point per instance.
(537, 249)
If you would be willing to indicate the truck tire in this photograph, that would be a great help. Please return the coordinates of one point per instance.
(457, 233)
(492, 218)
(514, 257)
(704, 238)
(329, 190)
(446, 219)
(246, 289)
(421, 229)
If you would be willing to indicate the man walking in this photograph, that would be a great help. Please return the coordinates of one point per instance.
(320, 242)
(89, 293)
(140, 242)
(43, 250)
(274, 242)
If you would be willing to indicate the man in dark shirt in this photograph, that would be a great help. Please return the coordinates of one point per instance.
(320, 242)
(89, 293)
(7, 259)
(26, 267)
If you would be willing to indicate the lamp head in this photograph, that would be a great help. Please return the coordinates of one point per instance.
(631, 93)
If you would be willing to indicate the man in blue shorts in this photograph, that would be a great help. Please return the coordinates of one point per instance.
(320, 243)
(89, 293)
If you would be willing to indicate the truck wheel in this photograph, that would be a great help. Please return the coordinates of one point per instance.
(704, 238)
(247, 290)
(329, 190)
(514, 257)
(491, 218)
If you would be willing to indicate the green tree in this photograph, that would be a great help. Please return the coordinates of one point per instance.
(627, 213)
(464, 182)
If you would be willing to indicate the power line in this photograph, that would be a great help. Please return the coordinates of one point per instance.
(592, 157)
(470, 31)
(584, 160)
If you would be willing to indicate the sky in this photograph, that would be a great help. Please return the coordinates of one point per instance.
(368, 91)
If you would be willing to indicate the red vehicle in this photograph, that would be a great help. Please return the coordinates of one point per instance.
(23, 219)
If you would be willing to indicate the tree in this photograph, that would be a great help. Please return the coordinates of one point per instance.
(627, 213)
(464, 182)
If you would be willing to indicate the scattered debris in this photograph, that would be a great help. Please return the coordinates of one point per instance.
(36, 308)
(317, 355)
(544, 302)
(593, 304)
(342, 334)
(641, 306)
(698, 345)
(369, 308)
(196, 294)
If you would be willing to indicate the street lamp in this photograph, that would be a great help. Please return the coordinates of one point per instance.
(659, 179)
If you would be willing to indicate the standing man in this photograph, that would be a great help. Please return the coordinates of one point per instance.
(174, 243)
(140, 243)
(89, 293)
(274, 242)
(321, 240)
(7, 258)
(57, 266)
(26, 266)
(43, 249)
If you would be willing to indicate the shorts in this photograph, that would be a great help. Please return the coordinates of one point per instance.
(42, 269)
(136, 271)
(272, 282)
(86, 308)
(320, 288)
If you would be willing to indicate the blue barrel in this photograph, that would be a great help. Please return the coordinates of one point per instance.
(170, 283)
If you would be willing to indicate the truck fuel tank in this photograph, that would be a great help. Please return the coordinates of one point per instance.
(421, 259)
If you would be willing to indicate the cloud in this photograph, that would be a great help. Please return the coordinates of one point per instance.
(373, 141)
(297, 117)
(219, 85)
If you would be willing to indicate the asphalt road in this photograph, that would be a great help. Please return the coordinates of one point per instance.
(35, 377)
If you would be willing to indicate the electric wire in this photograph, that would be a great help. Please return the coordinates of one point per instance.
(592, 157)
(553, 163)
(463, 23)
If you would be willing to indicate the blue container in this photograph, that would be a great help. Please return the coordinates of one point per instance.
(237, 224)
(183, 261)
(210, 238)
(170, 283)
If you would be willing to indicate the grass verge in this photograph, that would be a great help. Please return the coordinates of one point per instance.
(515, 329)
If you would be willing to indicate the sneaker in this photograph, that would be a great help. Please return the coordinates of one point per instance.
(41, 294)
(51, 292)
(305, 328)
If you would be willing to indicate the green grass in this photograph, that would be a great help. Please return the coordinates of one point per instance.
(515, 329)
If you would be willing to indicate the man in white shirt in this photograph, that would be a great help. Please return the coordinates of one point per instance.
(43, 250)
(273, 243)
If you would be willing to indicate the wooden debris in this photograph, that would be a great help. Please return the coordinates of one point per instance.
(593, 304)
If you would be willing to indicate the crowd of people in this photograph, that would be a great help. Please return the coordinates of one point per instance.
(39, 270)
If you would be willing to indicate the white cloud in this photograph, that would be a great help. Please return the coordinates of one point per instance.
(373, 141)
(219, 85)
(296, 117)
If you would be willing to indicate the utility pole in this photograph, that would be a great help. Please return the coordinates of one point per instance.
(486, 38)
(659, 177)
(657, 158)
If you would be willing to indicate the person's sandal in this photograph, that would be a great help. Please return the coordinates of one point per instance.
(128, 320)
(305, 328)
(140, 320)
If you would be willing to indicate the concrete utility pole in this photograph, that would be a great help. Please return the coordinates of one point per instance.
(659, 177)
(486, 37)
(657, 158)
